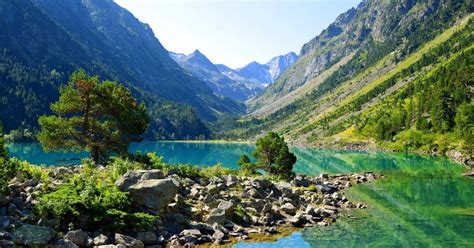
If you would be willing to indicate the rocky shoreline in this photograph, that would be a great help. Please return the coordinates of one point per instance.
(190, 211)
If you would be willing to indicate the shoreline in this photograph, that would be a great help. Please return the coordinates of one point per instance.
(197, 210)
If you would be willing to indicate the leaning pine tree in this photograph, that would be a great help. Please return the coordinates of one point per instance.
(101, 117)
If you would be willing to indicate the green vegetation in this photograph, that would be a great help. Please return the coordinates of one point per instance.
(272, 155)
(7, 168)
(102, 117)
(90, 199)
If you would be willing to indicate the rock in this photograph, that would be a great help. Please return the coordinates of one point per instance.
(133, 177)
(106, 246)
(61, 171)
(4, 222)
(154, 194)
(228, 206)
(288, 208)
(192, 232)
(148, 238)
(78, 237)
(128, 241)
(300, 181)
(101, 240)
(5, 235)
(64, 243)
(323, 188)
(212, 189)
(217, 215)
(323, 175)
(32, 235)
(6, 243)
(262, 183)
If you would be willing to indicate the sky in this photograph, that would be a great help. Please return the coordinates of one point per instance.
(237, 32)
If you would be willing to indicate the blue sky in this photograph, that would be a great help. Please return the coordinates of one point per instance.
(236, 32)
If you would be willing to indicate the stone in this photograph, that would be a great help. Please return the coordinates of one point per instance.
(101, 239)
(288, 208)
(6, 243)
(262, 183)
(78, 237)
(192, 232)
(4, 222)
(61, 171)
(228, 206)
(217, 215)
(128, 241)
(32, 235)
(154, 194)
(133, 177)
(148, 238)
(323, 175)
(323, 188)
(64, 243)
(212, 189)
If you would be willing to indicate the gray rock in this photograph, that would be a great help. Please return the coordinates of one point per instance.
(6, 243)
(288, 208)
(212, 189)
(217, 215)
(106, 246)
(262, 183)
(148, 238)
(228, 206)
(192, 232)
(133, 177)
(101, 239)
(323, 188)
(32, 235)
(78, 237)
(128, 241)
(64, 243)
(154, 194)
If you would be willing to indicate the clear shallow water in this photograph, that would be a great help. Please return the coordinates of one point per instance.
(423, 202)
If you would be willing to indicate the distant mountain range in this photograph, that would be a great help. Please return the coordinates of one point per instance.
(43, 41)
(240, 84)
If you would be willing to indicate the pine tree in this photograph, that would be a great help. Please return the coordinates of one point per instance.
(101, 117)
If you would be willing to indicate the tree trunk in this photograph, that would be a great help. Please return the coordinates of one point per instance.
(95, 154)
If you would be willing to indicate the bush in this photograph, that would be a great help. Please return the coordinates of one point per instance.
(89, 200)
(8, 170)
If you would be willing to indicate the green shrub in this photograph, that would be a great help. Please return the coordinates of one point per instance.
(88, 200)
(8, 170)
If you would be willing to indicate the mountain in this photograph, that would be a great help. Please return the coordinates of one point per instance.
(201, 67)
(398, 73)
(279, 64)
(266, 74)
(43, 41)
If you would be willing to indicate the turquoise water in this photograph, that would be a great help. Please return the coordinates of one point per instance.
(422, 202)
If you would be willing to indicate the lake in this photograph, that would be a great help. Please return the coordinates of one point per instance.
(423, 201)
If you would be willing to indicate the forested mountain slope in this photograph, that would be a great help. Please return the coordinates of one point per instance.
(43, 41)
(381, 62)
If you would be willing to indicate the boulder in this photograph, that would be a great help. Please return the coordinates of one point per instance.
(288, 208)
(217, 215)
(78, 237)
(133, 177)
(148, 238)
(323, 188)
(101, 239)
(128, 241)
(228, 206)
(31, 235)
(63, 243)
(154, 194)
(192, 232)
